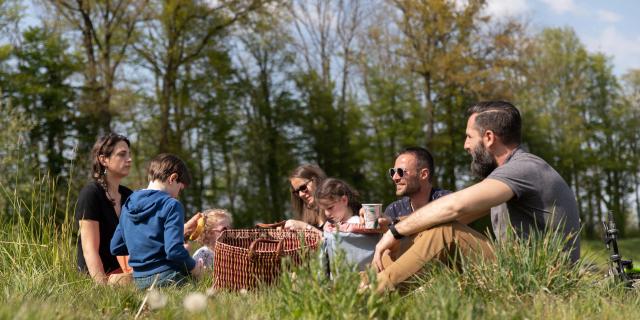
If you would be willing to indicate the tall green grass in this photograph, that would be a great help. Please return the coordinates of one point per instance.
(530, 279)
(34, 246)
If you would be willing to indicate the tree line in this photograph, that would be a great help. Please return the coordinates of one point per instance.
(245, 90)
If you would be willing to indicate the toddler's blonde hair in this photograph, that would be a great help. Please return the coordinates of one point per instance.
(213, 217)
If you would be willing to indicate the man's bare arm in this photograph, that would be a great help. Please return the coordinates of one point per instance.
(466, 219)
(465, 205)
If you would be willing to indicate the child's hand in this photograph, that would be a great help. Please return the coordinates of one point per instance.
(191, 225)
(199, 229)
(196, 272)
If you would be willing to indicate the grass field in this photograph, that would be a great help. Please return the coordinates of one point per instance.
(529, 281)
(596, 251)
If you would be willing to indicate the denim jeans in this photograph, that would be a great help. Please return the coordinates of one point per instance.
(165, 279)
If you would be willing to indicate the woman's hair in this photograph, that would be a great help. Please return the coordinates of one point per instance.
(213, 218)
(334, 189)
(166, 164)
(310, 172)
(104, 147)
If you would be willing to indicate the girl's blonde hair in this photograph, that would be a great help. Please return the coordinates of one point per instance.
(213, 217)
(217, 214)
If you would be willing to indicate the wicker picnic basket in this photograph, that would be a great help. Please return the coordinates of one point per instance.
(247, 258)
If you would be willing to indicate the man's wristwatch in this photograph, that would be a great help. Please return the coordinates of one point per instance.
(394, 232)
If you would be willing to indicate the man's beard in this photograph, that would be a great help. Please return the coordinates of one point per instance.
(411, 187)
(483, 162)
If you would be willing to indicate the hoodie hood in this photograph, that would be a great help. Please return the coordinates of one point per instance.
(144, 203)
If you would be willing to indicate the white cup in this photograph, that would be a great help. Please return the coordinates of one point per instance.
(372, 212)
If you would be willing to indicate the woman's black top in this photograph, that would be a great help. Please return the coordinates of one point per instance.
(93, 204)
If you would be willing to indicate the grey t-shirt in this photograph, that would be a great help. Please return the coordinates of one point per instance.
(542, 200)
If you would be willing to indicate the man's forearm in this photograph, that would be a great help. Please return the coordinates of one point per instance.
(440, 211)
(468, 218)
(465, 205)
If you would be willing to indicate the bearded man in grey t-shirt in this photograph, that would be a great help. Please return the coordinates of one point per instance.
(520, 190)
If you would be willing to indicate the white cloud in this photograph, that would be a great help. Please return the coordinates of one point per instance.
(625, 50)
(500, 8)
(561, 6)
(608, 16)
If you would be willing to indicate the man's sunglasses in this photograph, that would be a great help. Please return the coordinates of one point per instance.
(400, 171)
(302, 188)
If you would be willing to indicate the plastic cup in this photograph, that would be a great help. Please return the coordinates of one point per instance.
(372, 212)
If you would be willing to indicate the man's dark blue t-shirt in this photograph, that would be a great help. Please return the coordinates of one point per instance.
(402, 207)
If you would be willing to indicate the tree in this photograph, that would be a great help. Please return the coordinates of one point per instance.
(268, 113)
(41, 87)
(175, 36)
(458, 55)
(572, 108)
(393, 115)
(107, 31)
(631, 98)
(331, 119)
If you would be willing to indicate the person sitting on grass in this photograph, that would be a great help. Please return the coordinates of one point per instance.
(343, 229)
(303, 183)
(151, 229)
(521, 191)
(216, 221)
(99, 206)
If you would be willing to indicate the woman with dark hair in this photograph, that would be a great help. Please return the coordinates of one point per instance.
(303, 183)
(99, 205)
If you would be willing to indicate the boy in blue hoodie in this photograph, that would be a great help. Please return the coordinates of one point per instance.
(151, 228)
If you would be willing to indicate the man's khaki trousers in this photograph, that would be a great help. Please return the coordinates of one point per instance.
(441, 242)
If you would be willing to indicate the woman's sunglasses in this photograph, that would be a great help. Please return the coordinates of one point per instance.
(302, 188)
(400, 171)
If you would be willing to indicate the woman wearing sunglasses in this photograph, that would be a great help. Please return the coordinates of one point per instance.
(303, 183)
(98, 209)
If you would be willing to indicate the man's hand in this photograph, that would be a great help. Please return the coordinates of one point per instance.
(190, 226)
(383, 223)
(386, 243)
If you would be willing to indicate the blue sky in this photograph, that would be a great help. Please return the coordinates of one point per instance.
(608, 26)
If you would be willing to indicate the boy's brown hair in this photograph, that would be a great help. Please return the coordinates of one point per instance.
(166, 164)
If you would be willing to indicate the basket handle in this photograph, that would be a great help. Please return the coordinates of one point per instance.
(271, 225)
(252, 247)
